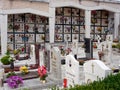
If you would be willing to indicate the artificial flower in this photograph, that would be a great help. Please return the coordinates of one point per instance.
(42, 72)
(24, 69)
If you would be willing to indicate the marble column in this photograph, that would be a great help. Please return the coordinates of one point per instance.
(52, 24)
(3, 28)
(87, 23)
(116, 24)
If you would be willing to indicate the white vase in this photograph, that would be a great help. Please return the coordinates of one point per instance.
(43, 81)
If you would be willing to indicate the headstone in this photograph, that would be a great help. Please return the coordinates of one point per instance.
(109, 38)
(75, 47)
(81, 53)
(71, 70)
(95, 70)
(55, 63)
(106, 48)
(32, 54)
(66, 42)
(42, 59)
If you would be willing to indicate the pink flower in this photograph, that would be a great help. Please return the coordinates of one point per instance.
(42, 72)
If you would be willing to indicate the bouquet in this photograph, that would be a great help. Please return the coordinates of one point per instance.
(14, 81)
(42, 72)
(24, 69)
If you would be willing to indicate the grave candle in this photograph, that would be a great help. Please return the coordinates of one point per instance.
(65, 83)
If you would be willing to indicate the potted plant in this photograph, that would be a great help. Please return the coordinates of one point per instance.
(7, 59)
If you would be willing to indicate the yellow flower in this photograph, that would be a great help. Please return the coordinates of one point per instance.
(24, 69)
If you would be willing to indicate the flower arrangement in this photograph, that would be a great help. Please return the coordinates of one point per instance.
(24, 69)
(42, 72)
(14, 81)
(16, 51)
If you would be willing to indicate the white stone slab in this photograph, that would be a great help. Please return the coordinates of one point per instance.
(95, 69)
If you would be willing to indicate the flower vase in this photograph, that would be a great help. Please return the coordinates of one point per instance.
(43, 81)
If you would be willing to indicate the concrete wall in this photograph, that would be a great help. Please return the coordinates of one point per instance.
(21, 4)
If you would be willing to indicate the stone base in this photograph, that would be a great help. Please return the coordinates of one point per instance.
(35, 84)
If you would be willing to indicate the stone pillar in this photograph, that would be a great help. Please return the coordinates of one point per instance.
(87, 23)
(3, 28)
(116, 24)
(52, 24)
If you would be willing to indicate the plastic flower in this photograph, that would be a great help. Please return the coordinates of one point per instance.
(14, 81)
(24, 69)
(42, 72)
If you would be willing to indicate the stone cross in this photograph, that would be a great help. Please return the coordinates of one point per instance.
(92, 68)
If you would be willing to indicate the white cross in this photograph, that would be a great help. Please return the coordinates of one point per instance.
(98, 39)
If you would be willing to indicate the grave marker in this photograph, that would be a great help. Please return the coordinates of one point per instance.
(55, 63)
(95, 69)
(72, 71)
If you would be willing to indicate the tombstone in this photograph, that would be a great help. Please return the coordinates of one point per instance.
(55, 63)
(42, 59)
(81, 53)
(95, 70)
(66, 42)
(32, 54)
(106, 48)
(71, 71)
(109, 38)
(75, 47)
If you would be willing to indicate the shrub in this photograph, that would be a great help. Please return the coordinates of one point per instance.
(111, 82)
